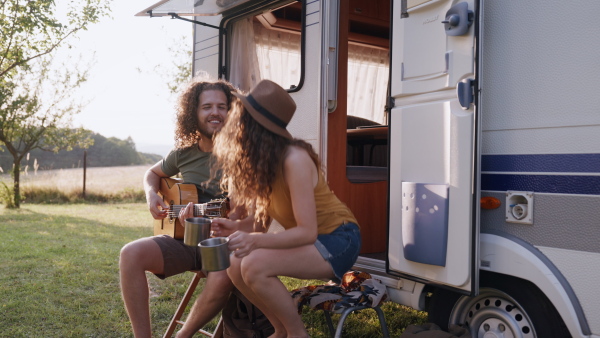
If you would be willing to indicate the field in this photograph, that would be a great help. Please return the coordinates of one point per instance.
(98, 180)
(104, 184)
(59, 266)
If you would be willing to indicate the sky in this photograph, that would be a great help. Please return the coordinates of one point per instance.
(126, 96)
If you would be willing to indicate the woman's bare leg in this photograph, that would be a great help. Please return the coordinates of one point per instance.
(259, 273)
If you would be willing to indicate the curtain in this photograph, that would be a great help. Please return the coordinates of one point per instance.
(367, 82)
(279, 55)
(244, 67)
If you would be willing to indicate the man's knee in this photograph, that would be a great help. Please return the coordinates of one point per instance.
(218, 282)
(129, 253)
(140, 254)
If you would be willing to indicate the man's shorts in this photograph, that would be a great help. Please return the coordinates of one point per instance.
(177, 256)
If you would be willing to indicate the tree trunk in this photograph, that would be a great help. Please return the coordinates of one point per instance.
(16, 180)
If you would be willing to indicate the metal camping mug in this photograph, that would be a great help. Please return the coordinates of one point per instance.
(214, 253)
(197, 229)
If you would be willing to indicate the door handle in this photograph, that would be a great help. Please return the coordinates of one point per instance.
(458, 19)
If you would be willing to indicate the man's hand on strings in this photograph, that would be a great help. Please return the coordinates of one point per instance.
(158, 208)
(186, 212)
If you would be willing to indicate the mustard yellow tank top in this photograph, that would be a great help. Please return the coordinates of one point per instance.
(331, 212)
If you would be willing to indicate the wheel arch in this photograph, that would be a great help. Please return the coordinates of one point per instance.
(509, 255)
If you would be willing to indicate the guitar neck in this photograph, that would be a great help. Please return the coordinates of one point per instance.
(210, 209)
(199, 209)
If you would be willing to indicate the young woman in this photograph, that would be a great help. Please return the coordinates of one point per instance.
(278, 177)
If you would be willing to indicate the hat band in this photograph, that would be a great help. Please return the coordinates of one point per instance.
(265, 112)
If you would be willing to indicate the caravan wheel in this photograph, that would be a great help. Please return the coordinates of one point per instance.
(505, 307)
(493, 314)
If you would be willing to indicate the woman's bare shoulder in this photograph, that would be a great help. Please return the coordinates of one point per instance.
(296, 155)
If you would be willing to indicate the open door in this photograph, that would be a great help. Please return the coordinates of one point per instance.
(432, 228)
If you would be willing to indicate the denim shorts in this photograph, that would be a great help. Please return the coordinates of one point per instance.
(340, 248)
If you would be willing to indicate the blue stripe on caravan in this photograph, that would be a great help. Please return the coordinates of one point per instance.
(558, 163)
(559, 184)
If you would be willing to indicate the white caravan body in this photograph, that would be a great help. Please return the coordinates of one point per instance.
(488, 103)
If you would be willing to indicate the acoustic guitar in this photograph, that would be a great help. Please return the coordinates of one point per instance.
(177, 195)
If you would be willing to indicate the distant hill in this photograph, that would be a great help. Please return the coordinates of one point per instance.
(106, 152)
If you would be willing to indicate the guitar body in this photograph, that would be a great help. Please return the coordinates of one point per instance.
(174, 192)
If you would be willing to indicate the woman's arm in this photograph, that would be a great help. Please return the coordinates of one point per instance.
(238, 219)
(301, 176)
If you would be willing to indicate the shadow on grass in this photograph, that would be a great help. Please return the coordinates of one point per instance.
(60, 278)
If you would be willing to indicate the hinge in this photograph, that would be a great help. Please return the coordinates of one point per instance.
(465, 91)
(403, 9)
(390, 103)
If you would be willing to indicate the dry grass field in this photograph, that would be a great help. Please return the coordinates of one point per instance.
(103, 184)
(98, 179)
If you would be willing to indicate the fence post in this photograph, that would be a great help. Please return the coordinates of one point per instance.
(84, 170)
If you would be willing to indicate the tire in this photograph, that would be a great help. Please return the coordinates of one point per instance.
(505, 307)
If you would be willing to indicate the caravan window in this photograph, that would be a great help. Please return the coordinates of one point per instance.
(266, 45)
(368, 72)
(368, 77)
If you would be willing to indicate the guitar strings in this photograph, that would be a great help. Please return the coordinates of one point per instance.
(201, 211)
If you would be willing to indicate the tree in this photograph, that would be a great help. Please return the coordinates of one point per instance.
(30, 116)
(31, 29)
(178, 72)
(36, 113)
(181, 53)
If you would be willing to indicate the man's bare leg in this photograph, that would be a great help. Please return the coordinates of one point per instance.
(136, 258)
(211, 300)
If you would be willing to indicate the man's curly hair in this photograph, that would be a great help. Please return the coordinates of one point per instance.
(186, 131)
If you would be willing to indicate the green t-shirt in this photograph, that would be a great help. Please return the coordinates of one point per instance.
(194, 166)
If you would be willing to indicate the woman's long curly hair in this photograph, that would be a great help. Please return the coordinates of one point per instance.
(187, 133)
(251, 157)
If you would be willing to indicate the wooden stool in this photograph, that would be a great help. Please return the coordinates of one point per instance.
(182, 306)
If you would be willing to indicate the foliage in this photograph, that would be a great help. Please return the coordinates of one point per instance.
(181, 53)
(6, 196)
(47, 195)
(35, 28)
(178, 72)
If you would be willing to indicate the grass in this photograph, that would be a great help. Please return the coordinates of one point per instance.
(59, 266)
(60, 276)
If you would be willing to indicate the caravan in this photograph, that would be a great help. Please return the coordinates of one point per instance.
(464, 135)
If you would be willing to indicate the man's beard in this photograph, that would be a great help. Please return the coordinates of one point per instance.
(205, 132)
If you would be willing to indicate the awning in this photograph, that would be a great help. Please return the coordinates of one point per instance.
(190, 7)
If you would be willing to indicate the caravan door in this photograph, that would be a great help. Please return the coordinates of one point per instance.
(432, 227)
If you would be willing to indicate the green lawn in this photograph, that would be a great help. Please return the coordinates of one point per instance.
(59, 276)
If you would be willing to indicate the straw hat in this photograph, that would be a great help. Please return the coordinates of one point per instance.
(271, 106)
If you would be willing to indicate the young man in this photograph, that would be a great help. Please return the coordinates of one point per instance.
(202, 111)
